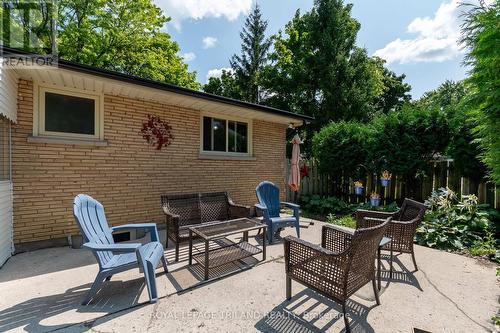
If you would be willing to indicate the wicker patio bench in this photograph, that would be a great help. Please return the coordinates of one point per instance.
(185, 210)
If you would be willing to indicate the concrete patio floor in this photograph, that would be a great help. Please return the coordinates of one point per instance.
(41, 291)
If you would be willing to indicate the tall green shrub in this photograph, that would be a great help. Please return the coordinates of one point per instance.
(481, 34)
(340, 148)
(404, 142)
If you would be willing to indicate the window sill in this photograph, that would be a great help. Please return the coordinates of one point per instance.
(67, 141)
(228, 157)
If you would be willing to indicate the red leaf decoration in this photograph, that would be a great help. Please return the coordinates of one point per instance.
(156, 132)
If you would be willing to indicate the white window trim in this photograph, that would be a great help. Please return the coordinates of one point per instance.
(39, 112)
(249, 123)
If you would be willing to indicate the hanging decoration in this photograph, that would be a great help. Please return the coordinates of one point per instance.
(156, 132)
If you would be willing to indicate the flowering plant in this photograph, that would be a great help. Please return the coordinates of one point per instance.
(386, 175)
(157, 132)
(374, 195)
(358, 183)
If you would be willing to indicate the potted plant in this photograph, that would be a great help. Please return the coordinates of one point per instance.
(358, 187)
(375, 199)
(385, 178)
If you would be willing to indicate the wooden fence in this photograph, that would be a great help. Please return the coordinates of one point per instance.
(443, 175)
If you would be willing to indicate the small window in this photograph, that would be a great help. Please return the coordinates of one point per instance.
(225, 136)
(70, 114)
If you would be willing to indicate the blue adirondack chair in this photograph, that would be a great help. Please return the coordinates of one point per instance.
(269, 205)
(115, 258)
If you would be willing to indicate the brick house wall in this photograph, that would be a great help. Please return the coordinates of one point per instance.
(127, 176)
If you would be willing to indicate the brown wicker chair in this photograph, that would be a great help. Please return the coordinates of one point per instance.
(344, 263)
(402, 228)
(184, 210)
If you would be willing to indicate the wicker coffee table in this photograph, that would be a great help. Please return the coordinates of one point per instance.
(223, 255)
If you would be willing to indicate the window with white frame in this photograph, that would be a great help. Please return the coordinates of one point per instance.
(228, 136)
(68, 114)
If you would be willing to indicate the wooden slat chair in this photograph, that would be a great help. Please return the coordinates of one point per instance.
(343, 264)
(115, 258)
(269, 206)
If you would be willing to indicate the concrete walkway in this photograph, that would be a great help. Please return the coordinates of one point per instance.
(41, 291)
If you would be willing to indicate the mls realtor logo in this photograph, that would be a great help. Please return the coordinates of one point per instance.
(30, 26)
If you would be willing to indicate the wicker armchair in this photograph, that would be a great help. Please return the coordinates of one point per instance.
(402, 228)
(343, 263)
(184, 210)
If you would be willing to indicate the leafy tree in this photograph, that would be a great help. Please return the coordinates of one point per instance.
(225, 85)
(28, 26)
(481, 33)
(248, 65)
(463, 148)
(121, 35)
(316, 68)
(396, 92)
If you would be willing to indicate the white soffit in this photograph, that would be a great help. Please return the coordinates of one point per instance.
(86, 82)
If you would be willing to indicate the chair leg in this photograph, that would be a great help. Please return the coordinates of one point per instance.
(375, 291)
(414, 261)
(346, 320)
(99, 279)
(177, 251)
(391, 268)
(297, 227)
(108, 278)
(270, 233)
(149, 277)
(288, 288)
(164, 262)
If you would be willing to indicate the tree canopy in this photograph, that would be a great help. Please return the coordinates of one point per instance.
(317, 69)
(243, 81)
(225, 85)
(121, 35)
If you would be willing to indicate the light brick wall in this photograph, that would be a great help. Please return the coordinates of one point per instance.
(127, 176)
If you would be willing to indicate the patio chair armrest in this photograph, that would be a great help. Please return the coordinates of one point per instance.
(404, 223)
(290, 205)
(237, 211)
(263, 210)
(335, 238)
(115, 248)
(294, 207)
(362, 213)
(302, 255)
(150, 227)
(172, 220)
(302, 249)
(368, 222)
